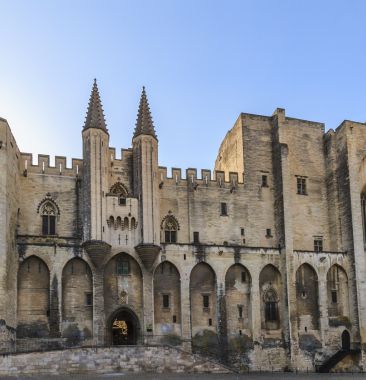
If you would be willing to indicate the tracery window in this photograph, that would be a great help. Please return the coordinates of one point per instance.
(120, 190)
(48, 214)
(271, 305)
(170, 227)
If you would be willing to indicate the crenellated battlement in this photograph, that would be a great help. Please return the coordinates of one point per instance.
(27, 165)
(125, 153)
(207, 178)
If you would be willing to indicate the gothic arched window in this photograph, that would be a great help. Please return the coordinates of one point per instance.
(170, 226)
(48, 214)
(271, 305)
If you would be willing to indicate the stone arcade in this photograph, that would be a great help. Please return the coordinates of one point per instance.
(261, 263)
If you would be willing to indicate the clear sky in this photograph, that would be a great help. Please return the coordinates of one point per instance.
(202, 62)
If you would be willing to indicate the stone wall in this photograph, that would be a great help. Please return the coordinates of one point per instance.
(255, 224)
(107, 360)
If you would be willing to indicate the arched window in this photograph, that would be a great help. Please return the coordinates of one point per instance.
(48, 214)
(271, 302)
(125, 223)
(170, 226)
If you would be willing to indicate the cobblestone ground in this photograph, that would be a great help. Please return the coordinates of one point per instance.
(168, 376)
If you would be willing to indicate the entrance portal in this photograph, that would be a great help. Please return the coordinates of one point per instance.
(125, 328)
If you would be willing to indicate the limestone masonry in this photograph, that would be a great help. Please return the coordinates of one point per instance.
(260, 264)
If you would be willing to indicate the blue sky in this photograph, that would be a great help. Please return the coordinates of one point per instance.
(202, 62)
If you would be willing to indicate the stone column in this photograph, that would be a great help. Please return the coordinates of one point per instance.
(99, 323)
(54, 318)
(185, 312)
(147, 325)
(358, 273)
(323, 307)
(255, 303)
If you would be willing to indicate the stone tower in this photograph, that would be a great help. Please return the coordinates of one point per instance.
(145, 182)
(95, 158)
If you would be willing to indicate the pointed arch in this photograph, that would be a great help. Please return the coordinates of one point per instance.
(51, 202)
(77, 300)
(110, 221)
(49, 211)
(307, 298)
(271, 293)
(125, 223)
(167, 299)
(33, 298)
(203, 298)
(118, 189)
(170, 227)
(237, 298)
(337, 292)
(122, 284)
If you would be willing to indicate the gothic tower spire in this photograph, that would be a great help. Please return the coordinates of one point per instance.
(144, 122)
(95, 116)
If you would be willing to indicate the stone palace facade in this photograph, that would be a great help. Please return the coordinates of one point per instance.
(261, 263)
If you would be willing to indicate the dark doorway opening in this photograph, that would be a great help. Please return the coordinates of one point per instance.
(346, 340)
(125, 328)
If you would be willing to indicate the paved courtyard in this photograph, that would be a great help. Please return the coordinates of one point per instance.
(168, 376)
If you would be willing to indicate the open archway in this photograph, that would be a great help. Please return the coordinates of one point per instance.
(307, 298)
(203, 298)
(77, 300)
(337, 290)
(271, 292)
(124, 327)
(237, 297)
(122, 290)
(33, 299)
(167, 309)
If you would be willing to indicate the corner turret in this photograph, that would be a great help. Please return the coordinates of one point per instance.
(95, 115)
(95, 167)
(145, 180)
(144, 122)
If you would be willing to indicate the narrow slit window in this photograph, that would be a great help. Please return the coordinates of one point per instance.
(334, 296)
(206, 301)
(89, 299)
(240, 311)
(166, 301)
(223, 208)
(264, 181)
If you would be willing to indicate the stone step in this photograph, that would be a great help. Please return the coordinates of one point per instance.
(157, 359)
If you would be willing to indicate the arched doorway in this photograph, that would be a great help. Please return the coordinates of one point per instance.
(346, 340)
(124, 327)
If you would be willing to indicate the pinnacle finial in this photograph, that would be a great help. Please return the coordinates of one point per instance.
(144, 122)
(95, 116)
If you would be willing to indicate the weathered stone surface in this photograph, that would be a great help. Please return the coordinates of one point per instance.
(108, 360)
(247, 283)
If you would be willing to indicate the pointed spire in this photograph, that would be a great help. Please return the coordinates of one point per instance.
(95, 116)
(144, 122)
